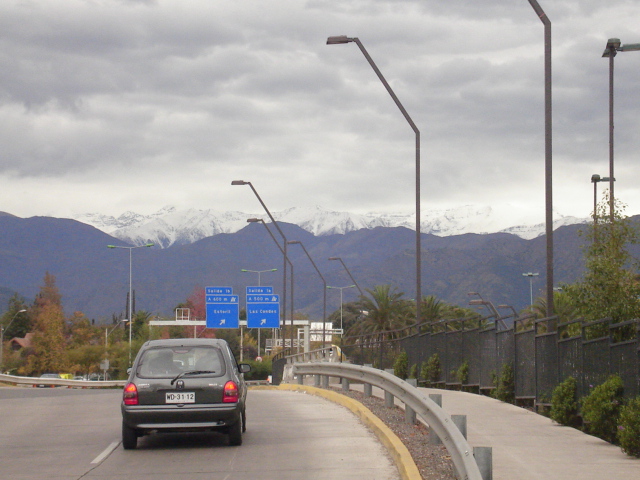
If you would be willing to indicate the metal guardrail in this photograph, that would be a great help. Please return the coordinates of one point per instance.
(61, 382)
(440, 421)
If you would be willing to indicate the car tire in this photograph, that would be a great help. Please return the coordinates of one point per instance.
(235, 432)
(129, 437)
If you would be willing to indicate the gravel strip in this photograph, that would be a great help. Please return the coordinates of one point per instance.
(433, 461)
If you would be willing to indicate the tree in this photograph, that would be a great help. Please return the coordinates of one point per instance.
(384, 310)
(609, 287)
(20, 324)
(49, 352)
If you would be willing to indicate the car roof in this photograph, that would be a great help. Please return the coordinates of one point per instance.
(180, 342)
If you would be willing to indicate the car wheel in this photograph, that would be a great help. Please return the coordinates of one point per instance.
(129, 437)
(235, 432)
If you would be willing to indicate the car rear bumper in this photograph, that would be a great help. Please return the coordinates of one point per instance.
(174, 418)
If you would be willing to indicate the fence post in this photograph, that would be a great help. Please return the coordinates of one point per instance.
(460, 421)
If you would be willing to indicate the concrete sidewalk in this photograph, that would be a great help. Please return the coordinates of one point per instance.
(528, 446)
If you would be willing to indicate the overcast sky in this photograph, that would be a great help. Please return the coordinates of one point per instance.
(115, 105)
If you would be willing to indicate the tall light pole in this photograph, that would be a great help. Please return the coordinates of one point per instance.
(130, 287)
(342, 39)
(2, 329)
(530, 275)
(613, 47)
(324, 290)
(284, 254)
(259, 220)
(548, 158)
(349, 273)
(595, 179)
(341, 302)
(259, 272)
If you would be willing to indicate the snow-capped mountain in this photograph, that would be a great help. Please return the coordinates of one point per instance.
(170, 226)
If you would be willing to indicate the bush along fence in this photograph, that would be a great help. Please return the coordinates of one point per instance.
(584, 375)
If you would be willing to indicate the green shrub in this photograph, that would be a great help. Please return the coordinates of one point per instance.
(629, 429)
(505, 385)
(413, 372)
(259, 370)
(601, 409)
(462, 374)
(401, 365)
(431, 369)
(564, 403)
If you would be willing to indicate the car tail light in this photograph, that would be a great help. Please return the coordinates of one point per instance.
(230, 394)
(130, 395)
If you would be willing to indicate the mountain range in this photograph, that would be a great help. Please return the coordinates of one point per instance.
(95, 280)
(170, 226)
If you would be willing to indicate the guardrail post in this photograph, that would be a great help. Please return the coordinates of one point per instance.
(460, 421)
(300, 379)
(409, 415)
(317, 380)
(484, 459)
(325, 381)
(388, 399)
(368, 390)
(345, 384)
(434, 439)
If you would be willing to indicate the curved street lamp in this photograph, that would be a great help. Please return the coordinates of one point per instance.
(324, 293)
(342, 39)
(613, 47)
(284, 254)
(2, 330)
(349, 273)
(259, 220)
(130, 287)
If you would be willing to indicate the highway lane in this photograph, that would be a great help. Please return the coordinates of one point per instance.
(60, 433)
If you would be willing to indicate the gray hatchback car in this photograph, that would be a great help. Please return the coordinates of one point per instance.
(183, 385)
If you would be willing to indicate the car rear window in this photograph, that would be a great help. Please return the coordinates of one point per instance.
(162, 362)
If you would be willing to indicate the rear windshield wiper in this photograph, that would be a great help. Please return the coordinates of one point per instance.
(191, 372)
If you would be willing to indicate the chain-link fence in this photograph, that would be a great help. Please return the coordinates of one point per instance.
(542, 353)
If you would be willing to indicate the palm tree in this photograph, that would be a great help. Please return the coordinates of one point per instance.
(383, 311)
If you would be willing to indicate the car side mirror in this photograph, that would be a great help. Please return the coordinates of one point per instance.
(244, 368)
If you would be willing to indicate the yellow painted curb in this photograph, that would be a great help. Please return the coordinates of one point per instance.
(401, 456)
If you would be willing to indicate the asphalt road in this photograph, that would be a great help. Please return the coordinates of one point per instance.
(60, 433)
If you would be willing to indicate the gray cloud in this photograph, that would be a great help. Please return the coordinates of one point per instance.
(135, 105)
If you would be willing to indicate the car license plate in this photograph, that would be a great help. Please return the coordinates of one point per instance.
(181, 397)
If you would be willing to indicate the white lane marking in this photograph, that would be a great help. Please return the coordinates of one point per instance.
(105, 453)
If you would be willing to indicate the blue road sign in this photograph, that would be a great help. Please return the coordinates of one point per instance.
(259, 290)
(222, 308)
(218, 291)
(223, 315)
(263, 311)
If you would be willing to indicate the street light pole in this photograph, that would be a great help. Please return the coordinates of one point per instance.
(548, 158)
(342, 39)
(349, 273)
(259, 284)
(324, 290)
(259, 220)
(530, 275)
(613, 47)
(284, 254)
(2, 330)
(341, 302)
(130, 287)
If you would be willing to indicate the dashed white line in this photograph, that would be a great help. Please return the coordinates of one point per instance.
(107, 451)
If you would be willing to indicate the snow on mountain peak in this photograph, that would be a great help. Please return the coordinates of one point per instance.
(170, 226)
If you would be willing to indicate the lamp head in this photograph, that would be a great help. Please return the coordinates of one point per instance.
(595, 178)
(239, 182)
(613, 44)
(338, 40)
(254, 220)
